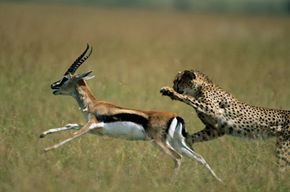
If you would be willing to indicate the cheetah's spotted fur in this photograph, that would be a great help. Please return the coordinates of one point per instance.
(223, 114)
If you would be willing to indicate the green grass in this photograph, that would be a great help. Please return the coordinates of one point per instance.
(135, 53)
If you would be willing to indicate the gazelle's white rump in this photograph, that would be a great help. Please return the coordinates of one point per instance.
(121, 129)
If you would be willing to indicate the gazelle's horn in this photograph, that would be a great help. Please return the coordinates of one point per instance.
(80, 60)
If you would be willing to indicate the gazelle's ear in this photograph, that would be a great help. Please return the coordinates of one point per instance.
(85, 76)
(88, 77)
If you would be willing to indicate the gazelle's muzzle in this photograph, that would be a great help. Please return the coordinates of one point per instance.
(55, 87)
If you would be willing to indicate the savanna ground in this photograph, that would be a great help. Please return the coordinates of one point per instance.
(135, 53)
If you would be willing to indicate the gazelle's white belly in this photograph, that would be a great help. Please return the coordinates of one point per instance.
(121, 129)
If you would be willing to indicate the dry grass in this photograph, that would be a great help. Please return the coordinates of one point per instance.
(135, 53)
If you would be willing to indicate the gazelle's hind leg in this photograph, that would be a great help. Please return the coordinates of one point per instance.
(176, 141)
(176, 157)
(190, 153)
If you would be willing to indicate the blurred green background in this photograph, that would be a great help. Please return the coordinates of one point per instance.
(136, 52)
(232, 6)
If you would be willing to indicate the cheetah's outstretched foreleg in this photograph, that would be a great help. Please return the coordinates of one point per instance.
(168, 91)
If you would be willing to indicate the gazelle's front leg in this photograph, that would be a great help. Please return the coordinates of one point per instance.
(69, 126)
(91, 124)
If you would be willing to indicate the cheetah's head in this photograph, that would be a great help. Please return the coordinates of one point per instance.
(190, 82)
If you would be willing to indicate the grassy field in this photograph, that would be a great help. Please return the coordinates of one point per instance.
(135, 53)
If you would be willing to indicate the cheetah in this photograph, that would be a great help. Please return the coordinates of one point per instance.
(222, 114)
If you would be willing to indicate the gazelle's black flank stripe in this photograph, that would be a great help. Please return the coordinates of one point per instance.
(124, 117)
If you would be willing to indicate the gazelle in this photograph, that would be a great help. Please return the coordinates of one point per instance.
(165, 129)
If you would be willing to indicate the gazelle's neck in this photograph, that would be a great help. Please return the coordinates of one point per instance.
(84, 96)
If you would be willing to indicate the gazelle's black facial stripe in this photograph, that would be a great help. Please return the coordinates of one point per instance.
(59, 83)
(55, 84)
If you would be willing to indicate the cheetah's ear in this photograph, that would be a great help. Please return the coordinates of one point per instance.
(188, 75)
